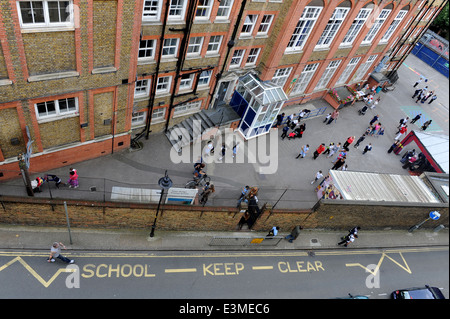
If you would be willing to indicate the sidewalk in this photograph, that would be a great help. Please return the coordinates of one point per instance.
(41, 238)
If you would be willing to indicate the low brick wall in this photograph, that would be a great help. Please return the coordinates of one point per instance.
(327, 214)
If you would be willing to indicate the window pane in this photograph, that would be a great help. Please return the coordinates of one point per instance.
(32, 12)
(51, 109)
(57, 11)
(42, 109)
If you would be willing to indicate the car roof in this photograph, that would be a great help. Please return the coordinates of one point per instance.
(424, 293)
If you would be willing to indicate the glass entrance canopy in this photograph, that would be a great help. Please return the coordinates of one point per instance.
(258, 104)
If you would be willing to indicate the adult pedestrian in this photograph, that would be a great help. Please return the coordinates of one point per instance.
(273, 232)
(375, 103)
(354, 231)
(235, 149)
(347, 240)
(349, 141)
(73, 179)
(244, 193)
(55, 252)
(304, 149)
(53, 178)
(319, 150)
(426, 124)
(373, 120)
(290, 118)
(328, 149)
(421, 95)
(416, 118)
(339, 162)
(327, 118)
(317, 177)
(280, 118)
(207, 190)
(222, 151)
(429, 94)
(380, 132)
(368, 148)
(294, 234)
(301, 129)
(416, 92)
(403, 121)
(340, 155)
(333, 117)
(301, 114)
(362, 138)
(36, 184)
(418, 82)
(285, 131)
(434, 97)
(393, 146)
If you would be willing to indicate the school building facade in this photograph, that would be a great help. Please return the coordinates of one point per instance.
(81, 79)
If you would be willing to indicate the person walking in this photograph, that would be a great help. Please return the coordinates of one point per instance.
(373, 120)
(285, 130)
(339, 163)
(375, 128)
(318, 176)
(55, 252)
(244, 193)
(222, 151)
(347, 240)
(280, 118)
(375, 103)
(416, 118)
(328, 149)
(418, 82)
(235, 149)
(354, 231)
(368, 148)
(207, 190)
(327, 118)
(429, 94)
(403, 121)
(319, 150)
(333, 117)
(349, 141)
(393, 146)
(54, 178)
(434, 97)
(303, 151)
(289, 119)
(294, 234)
(362, 138)
(401, 131)
(334, 149)
(73, 179)
(426, 124)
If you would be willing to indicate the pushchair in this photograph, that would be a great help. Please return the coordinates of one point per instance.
(363, 110)
(295, 133)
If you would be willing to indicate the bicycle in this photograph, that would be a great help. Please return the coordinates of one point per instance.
(196, 182)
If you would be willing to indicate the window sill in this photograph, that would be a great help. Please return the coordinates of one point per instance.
(108, 69)
(57, 118)
(140, 98)
(327, 48)
(293, 51)
(53, 76)
(146, 61)
(5, 82)
(46, 29)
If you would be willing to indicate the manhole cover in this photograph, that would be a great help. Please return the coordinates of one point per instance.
(314, 241)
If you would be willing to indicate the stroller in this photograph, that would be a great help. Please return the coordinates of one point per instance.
(363, 110)
(296, 133)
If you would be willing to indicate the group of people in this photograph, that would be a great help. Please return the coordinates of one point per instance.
(423, 94)
(251, 214)
(37, 183)
(208, 150)
(293, 127)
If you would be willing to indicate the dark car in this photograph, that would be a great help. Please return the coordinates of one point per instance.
(426, 292)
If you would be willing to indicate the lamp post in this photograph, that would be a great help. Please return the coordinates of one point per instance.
(165, 183)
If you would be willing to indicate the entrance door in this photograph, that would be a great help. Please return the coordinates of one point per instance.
(223, 88)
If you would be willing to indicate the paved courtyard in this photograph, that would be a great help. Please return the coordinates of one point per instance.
(291, 178)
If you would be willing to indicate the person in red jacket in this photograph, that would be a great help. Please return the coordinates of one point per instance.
(349, 141)
(319, 150)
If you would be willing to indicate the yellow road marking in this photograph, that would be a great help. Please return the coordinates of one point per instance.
(261, 267)
(405, 267)
(180, 270)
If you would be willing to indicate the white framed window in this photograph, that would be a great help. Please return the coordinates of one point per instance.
(223, 12)
(249, 24)
(356, 26)
(280, 76)
(400, 15)
(236, 59)
(204, 78)
(186, 81)
(214, 44)
(362, 70)
(376, 26)
(170, 48)
(327, 74)
(163, 84)
(190, 107)
(45, 14)
(305, 77)
(56, 108)
(203, 9)
(158, 115)
(253, 56)
(152, 10)
(195, 46)
(303, 28)
(177, 9)
(332, 27)
(265, 24)
(142, 88)
(147, 49)
(138, 118)
(348, 70)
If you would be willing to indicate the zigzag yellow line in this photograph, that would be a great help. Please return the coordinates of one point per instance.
(46, 284)
(405, 268)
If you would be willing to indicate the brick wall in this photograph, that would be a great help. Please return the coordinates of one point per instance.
(327, 215)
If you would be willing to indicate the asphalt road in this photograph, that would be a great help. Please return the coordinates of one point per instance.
(322, 274)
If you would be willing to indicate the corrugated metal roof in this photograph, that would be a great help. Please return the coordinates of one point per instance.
(437, 146)
(382, 187)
